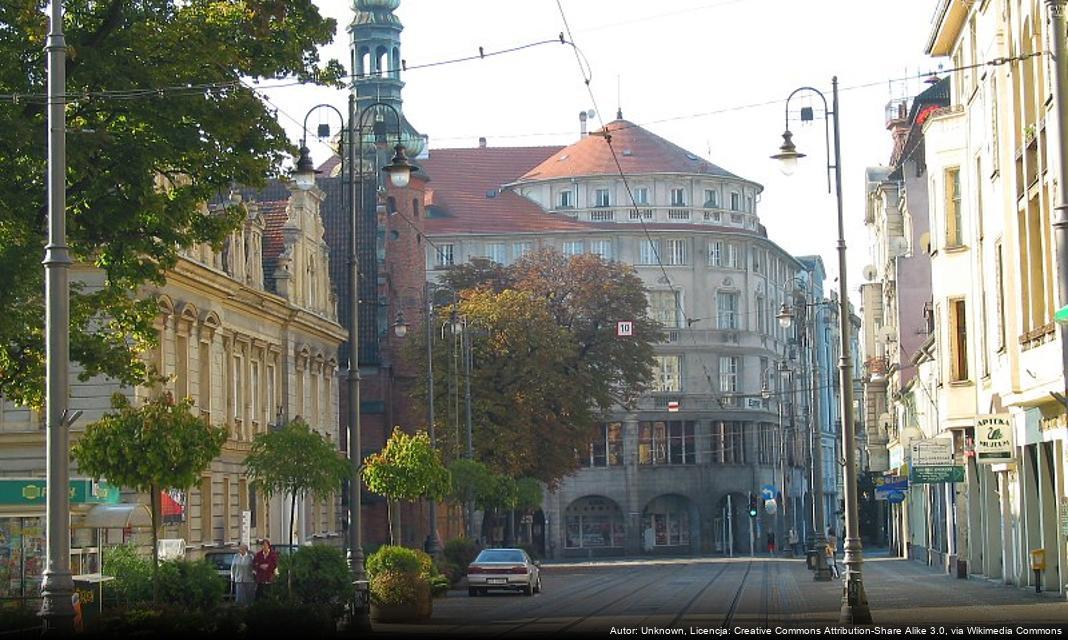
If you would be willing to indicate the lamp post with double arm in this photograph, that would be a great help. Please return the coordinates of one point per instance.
(854, 601)
(400, 172)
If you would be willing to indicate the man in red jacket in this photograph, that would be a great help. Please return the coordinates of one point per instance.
(264, 564)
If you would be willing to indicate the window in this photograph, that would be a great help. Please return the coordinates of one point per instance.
(959, 332)
(736, 201)
(676, 253)
(207, 520)
(445, 255)
(602, 248)
(761, 315)
(204, 366)
(601, 198)
(670, 442)
(181, 366)
(678, 197)
(641, 195)
(573, 247)
(715, 254)
(497, 252)
(727, 310)
(239, 387)
(758, 262)
(272, 402)
(607, 449)
(254, 400)
(954, 236)
(1000, 293)
(593, 522)
(667, 518)
(666, 373)
(664, 308)
(732, 257)
(520, 249)
(728, 374)
(711, 198)
(566, 200)
(728, 443)
(749, 204)
(649, 252)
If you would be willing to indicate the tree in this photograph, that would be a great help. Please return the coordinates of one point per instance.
(161, 123)
(547, 361)
(158, 445)
(407, 468)
(296, 461)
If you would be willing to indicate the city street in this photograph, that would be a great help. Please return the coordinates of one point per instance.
(723, 593)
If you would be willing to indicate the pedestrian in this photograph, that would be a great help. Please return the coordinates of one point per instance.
(832, 551)
(648, 539)
(792, 539)
(243, 577)
(771, 542)
(264, 565)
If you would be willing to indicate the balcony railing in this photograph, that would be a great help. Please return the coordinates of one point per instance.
(665, 215)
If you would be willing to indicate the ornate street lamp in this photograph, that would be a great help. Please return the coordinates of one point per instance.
(854, 601)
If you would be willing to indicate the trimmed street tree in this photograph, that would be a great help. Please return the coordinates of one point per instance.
(296, 461)
(159, 121)
(407, 468)
(159, 445)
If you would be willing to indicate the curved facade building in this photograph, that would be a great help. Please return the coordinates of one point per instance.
(675, 475)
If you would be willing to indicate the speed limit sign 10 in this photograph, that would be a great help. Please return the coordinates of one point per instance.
(624, 328)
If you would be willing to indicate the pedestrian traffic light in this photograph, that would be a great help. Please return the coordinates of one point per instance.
(752, 506)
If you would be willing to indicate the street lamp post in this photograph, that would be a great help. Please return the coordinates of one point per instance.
(854, 601)
(400, 171)
(459, 327)
(57, 609)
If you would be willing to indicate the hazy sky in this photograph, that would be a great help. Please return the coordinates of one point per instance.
(687, 70)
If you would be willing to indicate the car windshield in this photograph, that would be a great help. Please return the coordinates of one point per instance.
(221, 560)
(500, 555)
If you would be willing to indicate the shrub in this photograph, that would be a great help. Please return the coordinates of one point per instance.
(319, 574)
(460, 552)
(397, 587)
(439, 585)
(163, 622)
(452, 572)
(132, 573)
(395, 559)
(192, 584)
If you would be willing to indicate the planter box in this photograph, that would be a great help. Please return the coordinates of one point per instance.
(407, 612)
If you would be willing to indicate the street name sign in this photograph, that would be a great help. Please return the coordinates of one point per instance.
(932, 452)
(934, 474)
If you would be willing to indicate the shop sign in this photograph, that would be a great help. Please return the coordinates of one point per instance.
(890, 486)
(35, 492)
(1062, 512)
(934, 474)
(993, 438)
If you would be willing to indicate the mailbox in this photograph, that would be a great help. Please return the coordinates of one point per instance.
(1038, 559)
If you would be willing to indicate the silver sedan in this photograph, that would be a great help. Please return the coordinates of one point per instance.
(507, 569)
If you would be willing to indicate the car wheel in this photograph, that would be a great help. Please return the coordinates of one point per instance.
(537, 586)
(471, 591)
(529, 589)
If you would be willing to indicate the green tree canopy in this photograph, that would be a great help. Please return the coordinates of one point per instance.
(407, 468)
(296, 461)
(158, 122)
(158, 445)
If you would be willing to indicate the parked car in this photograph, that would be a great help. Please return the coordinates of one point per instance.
(507, 569)
(222, 559)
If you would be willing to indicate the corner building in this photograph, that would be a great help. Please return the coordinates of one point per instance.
(686, 473)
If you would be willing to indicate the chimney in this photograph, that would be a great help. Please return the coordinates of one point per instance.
(482, 142)
(582, 124)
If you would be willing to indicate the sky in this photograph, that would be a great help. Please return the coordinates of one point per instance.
(709, 75)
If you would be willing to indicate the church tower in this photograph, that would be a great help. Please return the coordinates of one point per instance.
(375, 52)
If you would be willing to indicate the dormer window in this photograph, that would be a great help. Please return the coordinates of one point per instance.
(711, 199)
(566, 200)
(678, 197)
(601, 198)
(641, 195)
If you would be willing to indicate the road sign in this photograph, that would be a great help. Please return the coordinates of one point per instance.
(891, 486)
(1062, 315)
(768, 492)
(934, 474)
(673, 406)
(895, 497)
(246, 528)
(771, 507)
(624, 328)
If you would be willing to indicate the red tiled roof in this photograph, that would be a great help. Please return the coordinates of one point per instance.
(274, 218)
(638, 151)
(460, 180)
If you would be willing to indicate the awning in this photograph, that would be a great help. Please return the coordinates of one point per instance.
(115, 516)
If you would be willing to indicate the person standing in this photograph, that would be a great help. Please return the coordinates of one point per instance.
(243, 577)
(832, 550)
(792, 539)
(264, 565)
(771, 542)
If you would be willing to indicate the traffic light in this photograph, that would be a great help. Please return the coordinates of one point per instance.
(752, 506)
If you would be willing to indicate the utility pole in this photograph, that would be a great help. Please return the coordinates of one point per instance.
(1060, 223)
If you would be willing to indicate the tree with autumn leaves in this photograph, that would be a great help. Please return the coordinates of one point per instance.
(547, 363)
